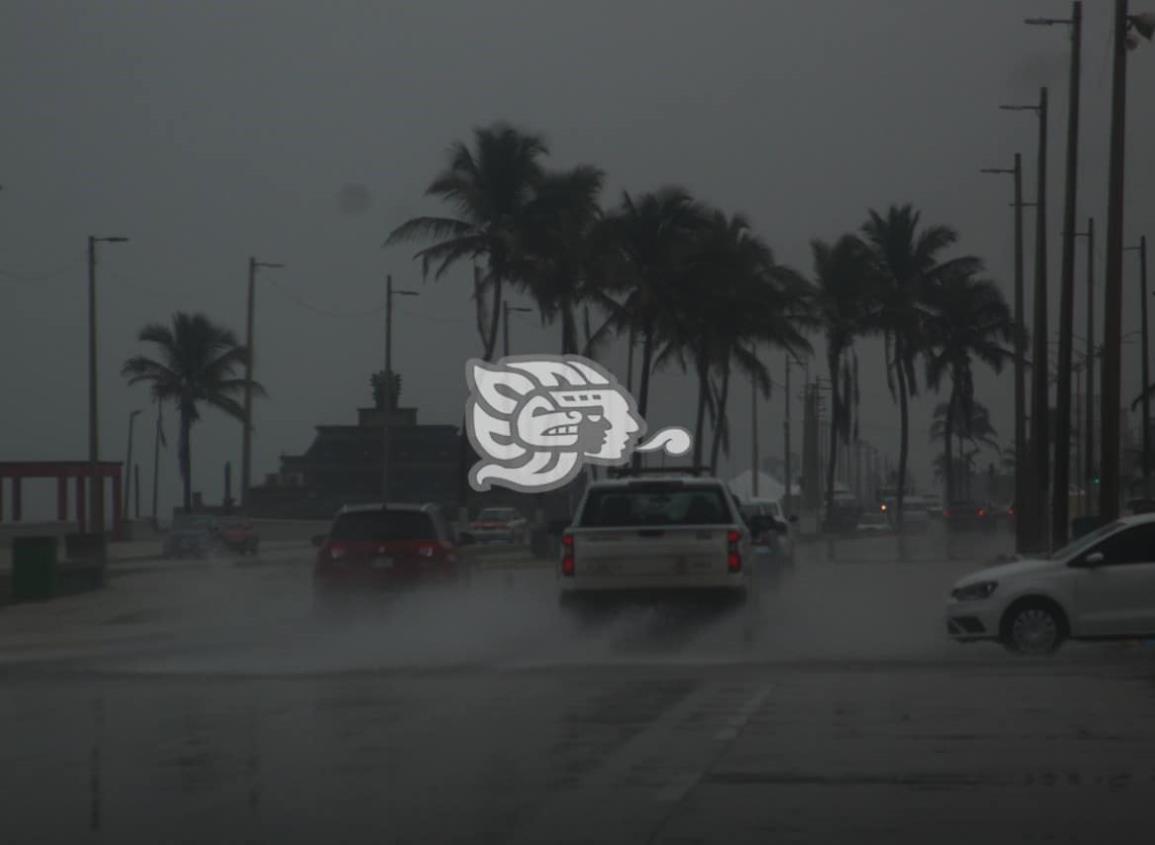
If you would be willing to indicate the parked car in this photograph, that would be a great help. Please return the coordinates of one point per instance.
(672, 533)
(380, 547)
(915, 516)
(874, 522)
(238, 535)
(934, 508)
(500, 525)
(966, 515)
(1101, 585)
(192, 535)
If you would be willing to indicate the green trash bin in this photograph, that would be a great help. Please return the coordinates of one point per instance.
(33, 568)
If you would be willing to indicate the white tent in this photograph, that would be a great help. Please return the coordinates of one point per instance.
(769, 488)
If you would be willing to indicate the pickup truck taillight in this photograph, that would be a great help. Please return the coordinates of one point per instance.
(335, 551)
(734, 557)
(567, 556)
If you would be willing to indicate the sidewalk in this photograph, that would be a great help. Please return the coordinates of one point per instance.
(138, 551)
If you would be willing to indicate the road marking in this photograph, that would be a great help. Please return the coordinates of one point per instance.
(738, 721)
(678, 787)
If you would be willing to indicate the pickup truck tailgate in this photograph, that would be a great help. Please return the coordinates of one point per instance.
(651, 551)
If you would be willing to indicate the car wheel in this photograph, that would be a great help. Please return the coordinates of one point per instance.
(1034, 628)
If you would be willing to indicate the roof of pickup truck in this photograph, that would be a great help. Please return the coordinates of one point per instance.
(650, 479)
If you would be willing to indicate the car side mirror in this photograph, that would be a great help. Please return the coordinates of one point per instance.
(319, 540)
(1093, 559)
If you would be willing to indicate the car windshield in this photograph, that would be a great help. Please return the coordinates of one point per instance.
(380, 526)
(655, 505)
(496, 515)
(1077, 547)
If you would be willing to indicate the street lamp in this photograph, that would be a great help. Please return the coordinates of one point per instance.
(1034, 507)
(387, 388)
(507, 308)
(95, 482)
(250, 354)
(1144, 25)
(1020, 352)
(1145, 396)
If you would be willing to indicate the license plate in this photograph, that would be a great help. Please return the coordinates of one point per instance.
(383, 563)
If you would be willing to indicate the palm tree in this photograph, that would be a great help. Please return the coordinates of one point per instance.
(905, 264)
(557, 250)
(492, 188)
(195, 364)
(970, 320)
(842, 278)
(642, 246)
(969, 423)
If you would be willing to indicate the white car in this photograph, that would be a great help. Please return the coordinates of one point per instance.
(666, 533)
(500, 525)
(1102, 585)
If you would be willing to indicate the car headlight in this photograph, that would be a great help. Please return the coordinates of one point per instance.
(975, 592)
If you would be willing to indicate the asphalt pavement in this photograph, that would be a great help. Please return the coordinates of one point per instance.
(213, 704)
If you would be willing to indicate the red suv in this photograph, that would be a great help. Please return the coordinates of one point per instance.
(383, 546)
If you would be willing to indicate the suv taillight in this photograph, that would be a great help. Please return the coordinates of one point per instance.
(335, 551)
(734, 555)
(567, 558)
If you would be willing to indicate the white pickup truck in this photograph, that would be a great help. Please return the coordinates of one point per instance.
(663, 533)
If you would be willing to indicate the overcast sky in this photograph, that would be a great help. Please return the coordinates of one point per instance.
(211, 131)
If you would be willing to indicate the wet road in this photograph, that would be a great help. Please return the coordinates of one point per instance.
(210, 705)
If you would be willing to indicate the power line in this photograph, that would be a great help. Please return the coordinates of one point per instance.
(293, 297)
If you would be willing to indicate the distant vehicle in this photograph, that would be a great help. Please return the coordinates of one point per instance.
(500, 525)
(1005, 512)
(778, 533)
(934, 507)
(192, 535)
(1099, 586)
(915, 515)
(238, 535)
(845, 512)
(385, 546)
(966, 515)
(874, 522)
(646, 534)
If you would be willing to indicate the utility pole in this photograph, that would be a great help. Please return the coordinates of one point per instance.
(1144, 364)
(95, 482)
(1060, 499)
(505, 306)
(1088, 465)
(1021, 463)
(387, 390)
(1038, 535)
(250, 356)
(1113, 291)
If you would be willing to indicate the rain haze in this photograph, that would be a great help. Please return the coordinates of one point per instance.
(515, 673)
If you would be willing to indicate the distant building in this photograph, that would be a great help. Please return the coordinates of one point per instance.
(343, 465)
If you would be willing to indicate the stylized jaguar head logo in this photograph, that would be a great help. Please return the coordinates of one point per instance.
(536, 420)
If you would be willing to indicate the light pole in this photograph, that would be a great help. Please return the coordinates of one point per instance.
(1113, 283)
(128, 462)
(387, 389)
(1020, 348)
(506, 309)
(1089, 412)
(754, 435)
(1040, 405)
(1060, 504)
(786, 435)
(95, 482)
(250, 355)
(158, 439)
(1145, 376)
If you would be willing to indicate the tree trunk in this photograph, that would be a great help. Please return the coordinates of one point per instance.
(186, 457)
(832, 460)
(494, 321)
(644, 388)
(630, 360)
(721, 419)
(948, 437)
(904, 435)
(703, 388)
(569, 344)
